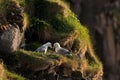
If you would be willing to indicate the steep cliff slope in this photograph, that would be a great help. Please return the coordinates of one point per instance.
(50, 20)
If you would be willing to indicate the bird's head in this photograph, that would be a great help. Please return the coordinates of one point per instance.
(49, 44)
(56, 45)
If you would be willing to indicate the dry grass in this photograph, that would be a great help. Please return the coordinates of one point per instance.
(68, 41)
(25, 21)
(91, 70)
(64, 11)
(83, 66)
(2, 72)
(38, 61)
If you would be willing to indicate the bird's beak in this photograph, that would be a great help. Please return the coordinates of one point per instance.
(51, 46)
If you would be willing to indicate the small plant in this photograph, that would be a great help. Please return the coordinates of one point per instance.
(39, 29)
(32, 46)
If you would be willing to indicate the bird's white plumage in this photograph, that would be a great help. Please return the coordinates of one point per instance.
(59, 49)
(44, 47)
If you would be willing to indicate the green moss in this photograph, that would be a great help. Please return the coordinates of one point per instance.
(39, 60)
(32, 46)
(39, 29)
(13, 76)
(47, 8)
(5, 74)
(44, 57)
(21, 2)
(48, 55)
(54, 18)
(38, 25)
(55, 15)
(61, 24)
(2, 7)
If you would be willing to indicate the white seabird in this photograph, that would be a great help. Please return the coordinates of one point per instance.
(44, 47)
(60, 50)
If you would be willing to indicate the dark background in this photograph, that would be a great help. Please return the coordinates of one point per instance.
(102, 17)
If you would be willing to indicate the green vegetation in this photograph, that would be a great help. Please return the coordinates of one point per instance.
(54, 21)
(32, 46)
(5, 74)
(37, 60)
(66, 29)
(21, 2)
(56, 16)
(38, 28)
(2, 6)
(49, 55)
(13, 76)
(6, 7)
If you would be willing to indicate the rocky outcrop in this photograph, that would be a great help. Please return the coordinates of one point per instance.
(36, 67)
(10, 40)
(65, 28)
(12, 26)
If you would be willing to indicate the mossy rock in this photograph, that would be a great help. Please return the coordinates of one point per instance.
(59, 23)
(53, 21)
(62, 26)
(39, 64)
(12, 26)
(12, 13)
(65, 28)
(33, 63)
(36, 61)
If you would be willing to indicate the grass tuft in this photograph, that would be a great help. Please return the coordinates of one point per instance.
(13, 76)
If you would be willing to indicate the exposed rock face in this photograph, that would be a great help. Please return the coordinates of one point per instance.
(14, 14)
(10, 40)
(11, 26)
(102, 18)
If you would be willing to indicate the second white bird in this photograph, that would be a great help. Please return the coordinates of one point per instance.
(60, 50)
(44, 47)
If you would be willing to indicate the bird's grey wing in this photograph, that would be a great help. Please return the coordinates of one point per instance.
(40, 49)
(63, 51)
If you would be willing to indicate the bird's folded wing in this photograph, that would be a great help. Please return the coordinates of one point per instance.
(63, 51)
(41, 49)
